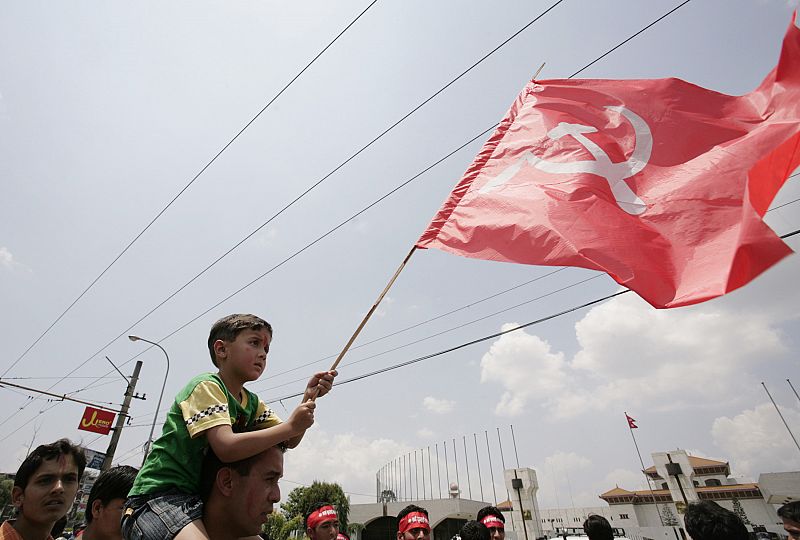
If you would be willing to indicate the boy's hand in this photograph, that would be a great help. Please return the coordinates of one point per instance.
(302, 417)
(319, 384)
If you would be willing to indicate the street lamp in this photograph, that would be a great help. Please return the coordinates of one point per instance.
(164, 385)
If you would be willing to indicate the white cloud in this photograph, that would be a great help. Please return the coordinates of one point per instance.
(6, 258)
(267, 237)
(425, 433)
(566, 461)
(384, 306)
(346, 458)
(438, 406)
(633, 355)
(526, 367)
(757, 441)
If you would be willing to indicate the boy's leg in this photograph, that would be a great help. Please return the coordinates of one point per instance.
(193, 531)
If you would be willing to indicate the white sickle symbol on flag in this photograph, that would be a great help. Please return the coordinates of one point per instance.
(614, 173)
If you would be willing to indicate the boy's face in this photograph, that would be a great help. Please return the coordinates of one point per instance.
(50, 491)
(327, 530)
(244, 358)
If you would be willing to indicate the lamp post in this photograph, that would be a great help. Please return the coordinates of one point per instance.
(163, 386)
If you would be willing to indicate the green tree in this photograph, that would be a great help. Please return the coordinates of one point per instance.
(302, 498)
(739, 511)
(277, 527)
(5, 492)
(668, 516)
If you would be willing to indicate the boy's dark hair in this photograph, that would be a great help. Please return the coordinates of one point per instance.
(474, 530)
(46, 452)
(790, 511)
(227, 328)
(312, 509)
(212, 464)
(490, 511)
(411, 508)
(706, 520)
(112, 484)
(598, 528)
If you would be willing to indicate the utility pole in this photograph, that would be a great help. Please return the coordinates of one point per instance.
(122, 417)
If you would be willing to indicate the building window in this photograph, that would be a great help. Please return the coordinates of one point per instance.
(713, 482)
(623, 516)
(664, 486)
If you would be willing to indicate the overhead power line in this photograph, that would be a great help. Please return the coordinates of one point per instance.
(175, 198)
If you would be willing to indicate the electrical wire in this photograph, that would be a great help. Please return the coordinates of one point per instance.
(175, 198)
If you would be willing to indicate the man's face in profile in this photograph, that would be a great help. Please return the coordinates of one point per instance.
(254, 494)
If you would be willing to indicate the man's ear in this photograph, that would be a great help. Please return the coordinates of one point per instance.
(97, 504)
(219, 348)
(309, 532)
(17, 496)
(224, 481)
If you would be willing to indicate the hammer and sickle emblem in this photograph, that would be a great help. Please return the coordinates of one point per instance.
(614, 173)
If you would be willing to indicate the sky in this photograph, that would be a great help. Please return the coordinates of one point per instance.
(109, 109)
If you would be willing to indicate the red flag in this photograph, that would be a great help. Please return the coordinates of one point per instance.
(631, 422)
(659, 183)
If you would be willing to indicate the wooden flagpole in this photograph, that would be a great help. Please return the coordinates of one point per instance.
(370, 312)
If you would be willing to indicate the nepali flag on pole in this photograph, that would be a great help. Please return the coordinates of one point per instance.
(631, 422)
(659, 183)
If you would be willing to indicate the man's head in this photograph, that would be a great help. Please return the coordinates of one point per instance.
(598, 528)
(243, 491)
(790, 514)
(321, 522)
(493, 519)
(46, 483)
(106, 501)
(474, 530)
(706, 520)
(413, 524)
(227, 329)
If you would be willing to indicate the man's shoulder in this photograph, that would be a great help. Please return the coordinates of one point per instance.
(8, 532)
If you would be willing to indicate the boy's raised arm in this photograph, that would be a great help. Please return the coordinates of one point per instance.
(230, 446)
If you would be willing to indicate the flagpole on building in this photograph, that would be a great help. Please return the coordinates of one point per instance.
(781, 415)
(793, 390)
(631, 425)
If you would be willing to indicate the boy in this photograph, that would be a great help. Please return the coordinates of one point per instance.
(44, 489)
(212, 410)
(105, 504)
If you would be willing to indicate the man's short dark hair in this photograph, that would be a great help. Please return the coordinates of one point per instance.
(212, 464)
(227, 328)
(706, 520)
(790, 511)
(598, 528)
(474, 530)
(114, 483)
(490, 511)
(411, 508)
(46, 452)
(313, 508)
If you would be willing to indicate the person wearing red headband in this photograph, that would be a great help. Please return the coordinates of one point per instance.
(322, 522)
(492, 517)
(413, 524)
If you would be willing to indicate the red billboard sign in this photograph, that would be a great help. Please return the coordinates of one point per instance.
(96, 420)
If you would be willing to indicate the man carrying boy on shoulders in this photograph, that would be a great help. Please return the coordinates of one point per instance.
(213, 410)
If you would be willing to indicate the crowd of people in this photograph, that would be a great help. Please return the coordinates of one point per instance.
(214, 471)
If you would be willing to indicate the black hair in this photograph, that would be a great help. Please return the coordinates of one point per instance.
(46, 452)
(313, 508)
(706, 520)
(490, 511)
(598, 528)
(212, 464)
(474, 530)
(411, 508)
(790, 511)
(227, 328)
(111, 484)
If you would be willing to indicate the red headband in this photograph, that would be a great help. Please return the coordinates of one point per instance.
(493, 522)
(414, 520)
(321, 515)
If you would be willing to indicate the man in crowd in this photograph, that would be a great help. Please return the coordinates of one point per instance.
(493, 519)
(321, 522)
(474, 530)
(790, 514)
(413, 523)
(239, 496)
(44, 489)
(706, 520)
(598, 528)
(106, 502)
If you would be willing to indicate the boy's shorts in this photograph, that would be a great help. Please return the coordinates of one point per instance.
(159, 515)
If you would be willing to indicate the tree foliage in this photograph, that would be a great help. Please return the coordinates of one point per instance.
(277, 527)
(5, 493)
(302, 498)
